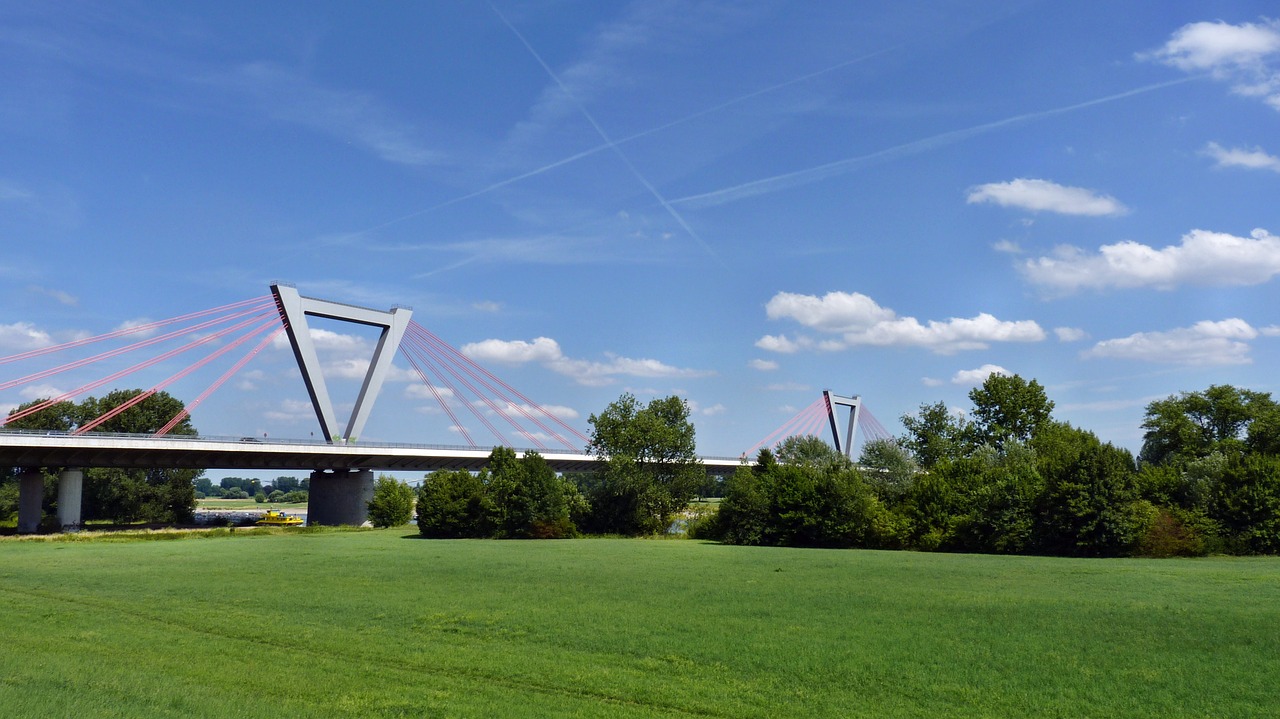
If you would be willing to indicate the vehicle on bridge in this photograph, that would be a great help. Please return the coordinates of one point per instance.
(276, 518)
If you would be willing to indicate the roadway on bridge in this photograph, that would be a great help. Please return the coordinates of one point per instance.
(20, 448)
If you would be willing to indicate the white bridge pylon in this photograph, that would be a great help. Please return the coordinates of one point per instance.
(855, 406)
(295, 309)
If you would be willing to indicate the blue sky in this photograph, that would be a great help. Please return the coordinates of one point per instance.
(742, 203)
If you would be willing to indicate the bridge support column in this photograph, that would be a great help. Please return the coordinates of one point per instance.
(339, 497)
(70, 492)
(30, 497)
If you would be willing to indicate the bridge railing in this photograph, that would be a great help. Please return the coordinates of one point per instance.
(303, 442)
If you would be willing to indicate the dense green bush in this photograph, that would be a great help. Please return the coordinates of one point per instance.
(454, 504)
(530, 500)
(819, 501)
(1246, 504)
(392, 503)
(513, 497)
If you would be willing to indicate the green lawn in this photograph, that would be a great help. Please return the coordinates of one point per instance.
(374, 624)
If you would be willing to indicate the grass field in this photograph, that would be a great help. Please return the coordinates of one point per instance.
(380, 624)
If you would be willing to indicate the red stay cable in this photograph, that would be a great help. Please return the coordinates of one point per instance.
(129, 330)
(129, 370)
(473, 370)
(126, 349)
(186, 411)
(487, 400)
(472, 363)
(422, 347)
(89, 426)
(431, 386)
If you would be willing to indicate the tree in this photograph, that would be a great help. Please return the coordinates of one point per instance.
(1090, 505)
(392, 502)
(888, 468)
(1246, 502)
(743, 516)
(650, 465)
(1001, 501)
(145, 417)
(1008, 407)
(58, 417)
(816, 504)
(156, 495)
(454, 504)
(531, 501)
(1220, 419)
(935, 433)
(812, 451)
(1264, 432)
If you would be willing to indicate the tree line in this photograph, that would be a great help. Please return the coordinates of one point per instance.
(648, 473)
(1004, 477)
(1009, 478)
(164, 496)
(280, 489)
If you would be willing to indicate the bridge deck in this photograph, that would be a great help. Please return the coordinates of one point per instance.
(59, 449)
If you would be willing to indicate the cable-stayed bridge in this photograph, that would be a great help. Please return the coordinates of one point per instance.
(341, 466)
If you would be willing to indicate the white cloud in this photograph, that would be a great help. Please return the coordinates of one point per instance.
(422, 391)
(1043, 195)
(1008, 247)
(1204, 343)
(833, 312)
(763, 365)
(247, 380)
(1069, 334)
(1243, 55)
(292, 411)
(355, 118)
(975, 377)
(948, 336)
(60, 296)
(788, 387)
(696, 408)
(1270, 331)
(132, 327)
(1255, 159)
(40, 391)
(520, 410)
(1203, 258)
(356, 368)
(783, 344)
(860, 321)
(541, 349)
(23, 337)
(547, 352)
(487, 306)
(931, 382)
(330, 341)
(347, 369)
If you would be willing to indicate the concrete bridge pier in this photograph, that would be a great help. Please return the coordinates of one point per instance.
(339, 497)
(30, 497)
(70, 494)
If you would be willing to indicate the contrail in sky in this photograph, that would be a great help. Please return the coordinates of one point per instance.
(629, 138)
(830, 169)
(604, 136)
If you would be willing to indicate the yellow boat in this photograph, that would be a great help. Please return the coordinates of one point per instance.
(276, 518)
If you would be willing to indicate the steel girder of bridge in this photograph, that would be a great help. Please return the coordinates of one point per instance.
(27, 449)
